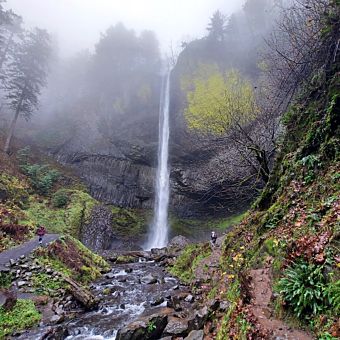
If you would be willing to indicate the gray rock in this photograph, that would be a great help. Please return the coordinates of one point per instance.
(56, 319)
(138, 329)
(21, 283)
(195, 335)
(12, 262)
(179, 242)
(157, 302)
(148, 279)
(176, 326)
(224, 305)
(110, 276)
(213, 305)
(22, 257)
(189, 298)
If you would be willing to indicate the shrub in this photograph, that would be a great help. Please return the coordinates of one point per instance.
(24, 315)
(42, 178)
(60, 199)
(303, 287)
(333, 296)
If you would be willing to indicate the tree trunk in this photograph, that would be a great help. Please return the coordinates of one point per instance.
(11, 129)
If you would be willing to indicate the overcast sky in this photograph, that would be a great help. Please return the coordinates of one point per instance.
(77, 23)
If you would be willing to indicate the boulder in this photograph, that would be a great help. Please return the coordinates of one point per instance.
(176, 327)
(158, 301)
(110, 275)
(10, 300)
(195, 335)
(189, 298)
(40, 300)
(147, 328)
(179, 242)
(148, 279)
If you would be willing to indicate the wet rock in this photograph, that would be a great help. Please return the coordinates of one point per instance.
(158, 301)
(40, 300)
(57, 319)
(199, 319)
(110, 275)
(176, 327)
(213, 305)
(175, 303)
(179, 242)
(148, 279)
(189, 298)
(128, 270)
(224, 305)
(97, 234)
(121, 279)
(12, 263)
(195, 335)
(141, 328)
(58, 333)
(10, 300)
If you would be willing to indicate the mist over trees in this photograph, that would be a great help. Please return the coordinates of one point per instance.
(24, 62)
(229, 90)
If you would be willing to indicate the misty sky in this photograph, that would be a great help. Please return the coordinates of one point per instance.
(78, 23)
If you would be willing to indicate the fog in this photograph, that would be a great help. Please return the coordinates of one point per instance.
(77, 24)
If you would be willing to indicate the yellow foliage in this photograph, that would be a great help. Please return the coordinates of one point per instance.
(217, 101)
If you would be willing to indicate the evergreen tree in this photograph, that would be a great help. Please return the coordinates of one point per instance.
(216, 27)
(26, 75)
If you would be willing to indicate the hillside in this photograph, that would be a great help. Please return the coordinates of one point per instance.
(282, 262)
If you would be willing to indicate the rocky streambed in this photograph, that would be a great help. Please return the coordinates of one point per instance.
(138, 299)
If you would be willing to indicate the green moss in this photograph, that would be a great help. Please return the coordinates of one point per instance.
(198, 229)
(126, 259)
(127, 223)
(46, 284)
(67, 220)
(15, 189)
(24, 315)
(5, 280)
(186, 264)
(70, 257)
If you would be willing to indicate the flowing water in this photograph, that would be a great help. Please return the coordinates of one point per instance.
(158, 237)
(124, 297)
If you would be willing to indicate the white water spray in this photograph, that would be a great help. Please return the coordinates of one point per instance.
(158, 237)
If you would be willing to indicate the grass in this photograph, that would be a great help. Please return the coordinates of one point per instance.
(23, 316)
(186, 264)
(66, 220)
(199, 229)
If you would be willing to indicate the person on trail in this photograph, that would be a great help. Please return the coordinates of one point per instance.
(213, 238)
(41, 231)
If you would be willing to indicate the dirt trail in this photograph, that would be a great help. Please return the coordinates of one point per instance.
(24, 249)
(210, 265)
(260, 306)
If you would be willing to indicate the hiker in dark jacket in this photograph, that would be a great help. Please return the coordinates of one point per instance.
(213, 238)
(41, 231)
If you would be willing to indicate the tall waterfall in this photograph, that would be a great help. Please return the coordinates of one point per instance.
(158, 236)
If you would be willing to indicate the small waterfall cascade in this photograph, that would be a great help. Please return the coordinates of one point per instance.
(158, 234)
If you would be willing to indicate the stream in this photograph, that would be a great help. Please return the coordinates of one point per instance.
(126, 292)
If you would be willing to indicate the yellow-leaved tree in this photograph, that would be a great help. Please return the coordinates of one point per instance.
(218, 101)
(224, 105)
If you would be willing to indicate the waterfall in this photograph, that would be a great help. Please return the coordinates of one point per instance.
(158, 236)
